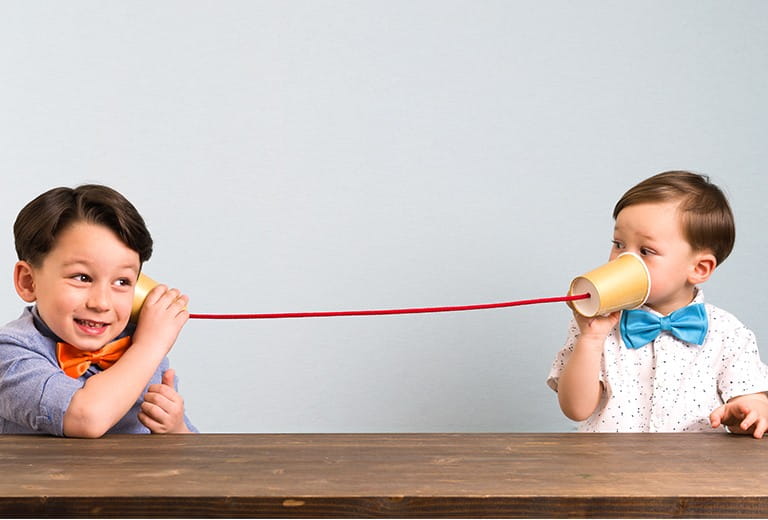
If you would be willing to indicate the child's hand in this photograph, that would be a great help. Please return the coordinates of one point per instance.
(597, 327)
(163, 408)
(746, 414)
(163, 315)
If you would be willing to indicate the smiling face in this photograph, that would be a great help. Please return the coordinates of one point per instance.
(654, 231)
(84, 286)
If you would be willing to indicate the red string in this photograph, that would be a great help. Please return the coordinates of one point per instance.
(377, 312)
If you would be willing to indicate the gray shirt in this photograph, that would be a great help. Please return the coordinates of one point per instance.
(34, 391)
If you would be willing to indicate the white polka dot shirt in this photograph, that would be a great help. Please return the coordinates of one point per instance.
(669, 385)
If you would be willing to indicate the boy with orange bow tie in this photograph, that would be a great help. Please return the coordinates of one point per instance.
(677, 364)
(72, 364)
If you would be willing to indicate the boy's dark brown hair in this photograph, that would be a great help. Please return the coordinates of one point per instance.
(39, 223)
(706, 217)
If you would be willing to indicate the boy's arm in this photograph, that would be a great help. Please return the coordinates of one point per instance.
(579, 388)
(109, 395)
(745, 414)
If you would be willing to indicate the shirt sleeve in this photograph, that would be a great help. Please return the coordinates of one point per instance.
(34, 393)
(742, 372)
(562, 356)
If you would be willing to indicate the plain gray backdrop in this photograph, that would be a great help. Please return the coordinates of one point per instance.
(333, 155)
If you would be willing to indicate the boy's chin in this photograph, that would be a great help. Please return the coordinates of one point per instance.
(91, 344)
(86, 346)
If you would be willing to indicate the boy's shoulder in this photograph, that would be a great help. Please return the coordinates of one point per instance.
(23, 333)
(722, 320)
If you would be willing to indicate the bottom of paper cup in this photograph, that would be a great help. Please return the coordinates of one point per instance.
(587, 307)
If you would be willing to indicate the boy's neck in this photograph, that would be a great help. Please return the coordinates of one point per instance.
(666, 310)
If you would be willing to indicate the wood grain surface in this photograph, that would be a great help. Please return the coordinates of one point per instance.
(385, 475)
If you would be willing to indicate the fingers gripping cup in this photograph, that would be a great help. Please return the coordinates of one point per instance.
(143, 285)
(622, 283)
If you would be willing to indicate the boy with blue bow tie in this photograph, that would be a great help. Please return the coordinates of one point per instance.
(678, 363)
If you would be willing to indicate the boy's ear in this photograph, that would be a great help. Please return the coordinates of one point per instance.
(23, 280)
(702, 268)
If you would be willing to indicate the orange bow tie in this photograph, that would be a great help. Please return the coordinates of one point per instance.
(75, 362)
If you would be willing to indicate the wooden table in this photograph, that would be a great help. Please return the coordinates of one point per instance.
(389, 475)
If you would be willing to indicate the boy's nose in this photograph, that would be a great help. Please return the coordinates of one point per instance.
(98, 298)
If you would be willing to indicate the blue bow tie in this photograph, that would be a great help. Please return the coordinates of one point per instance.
(640, 327)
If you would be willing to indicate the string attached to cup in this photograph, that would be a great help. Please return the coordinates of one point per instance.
(380, 312)
(623, 283)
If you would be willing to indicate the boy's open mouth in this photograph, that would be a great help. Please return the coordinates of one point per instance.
(91, 324)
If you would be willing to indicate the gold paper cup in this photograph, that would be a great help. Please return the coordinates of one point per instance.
(622, 283)
(143, 285)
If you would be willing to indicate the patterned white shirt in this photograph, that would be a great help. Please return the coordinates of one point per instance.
(669, 385)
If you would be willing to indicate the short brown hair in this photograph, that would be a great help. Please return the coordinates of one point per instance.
(707, 220)
(39, 223)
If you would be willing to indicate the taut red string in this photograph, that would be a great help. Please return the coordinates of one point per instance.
(378, 312)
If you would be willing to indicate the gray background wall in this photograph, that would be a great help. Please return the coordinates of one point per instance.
(328, 155)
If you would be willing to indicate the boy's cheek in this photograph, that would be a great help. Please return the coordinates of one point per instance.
(124, 314)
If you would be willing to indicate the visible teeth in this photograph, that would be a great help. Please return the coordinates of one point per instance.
(92, 324)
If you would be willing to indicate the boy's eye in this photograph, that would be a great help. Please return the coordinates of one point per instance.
(645, 251)
(123, 282)
(82, 278)
(617, 244)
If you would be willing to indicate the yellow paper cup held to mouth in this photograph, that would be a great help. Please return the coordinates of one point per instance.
(622, 283)
(143, 285)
